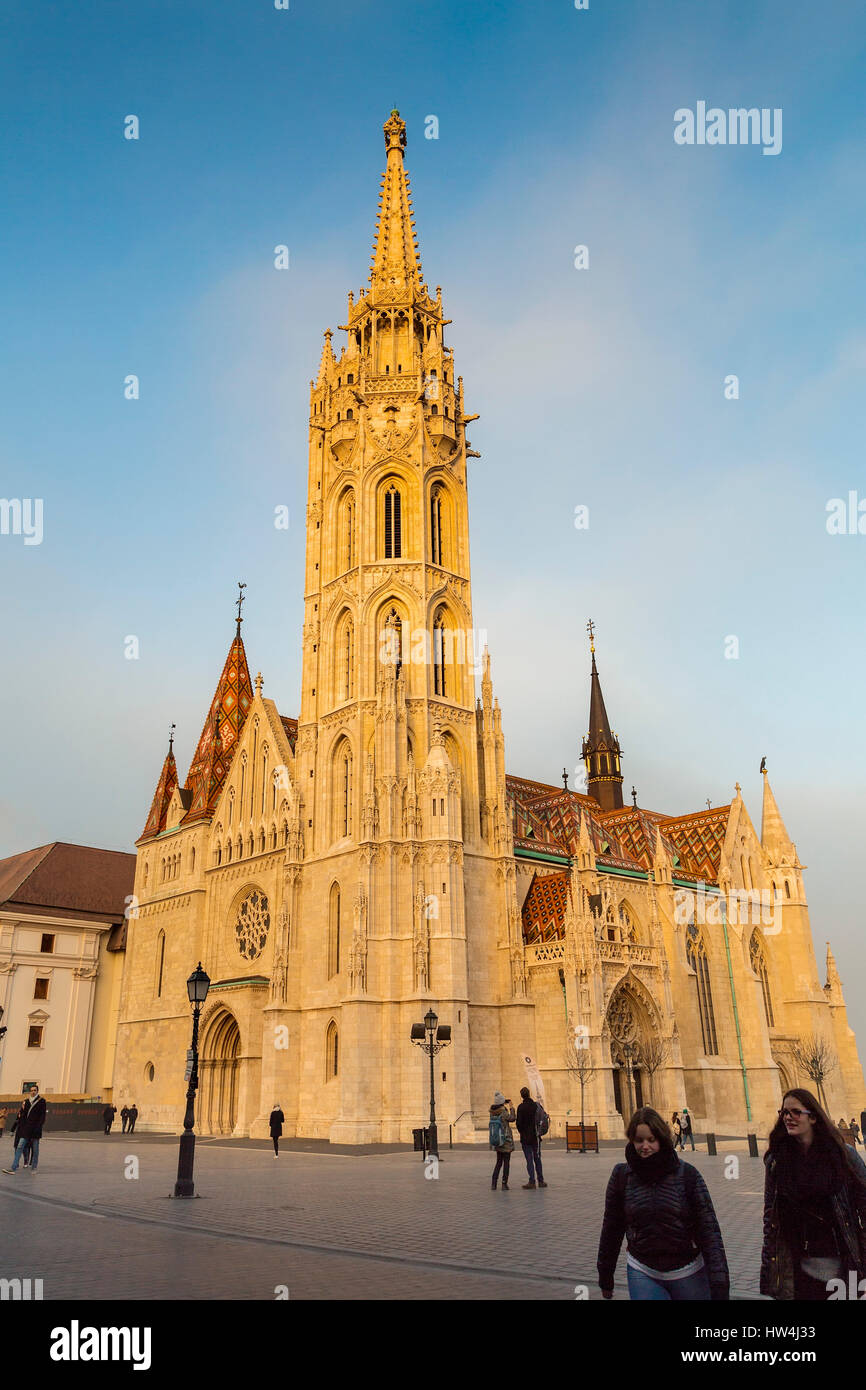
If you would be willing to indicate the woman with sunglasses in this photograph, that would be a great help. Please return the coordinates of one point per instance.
(814, 1204)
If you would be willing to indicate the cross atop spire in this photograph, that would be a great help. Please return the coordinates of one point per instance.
(590, 627)
(239, 602)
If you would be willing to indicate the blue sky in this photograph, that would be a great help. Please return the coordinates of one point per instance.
(601, 387)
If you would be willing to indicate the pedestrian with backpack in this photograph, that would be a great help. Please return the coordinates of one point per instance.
(532, 1123)
(674, 1245)
(686, 1130)
(499, 1129)
(677, 1130)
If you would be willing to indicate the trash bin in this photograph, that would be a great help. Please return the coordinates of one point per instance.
(753, 1145)
(711, 1144)
(419, 1138)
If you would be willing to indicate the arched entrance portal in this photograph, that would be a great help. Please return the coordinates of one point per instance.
(218, 1064)
(631, 1040)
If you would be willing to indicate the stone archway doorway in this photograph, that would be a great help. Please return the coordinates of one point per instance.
(219, 1066)
(630, 1031)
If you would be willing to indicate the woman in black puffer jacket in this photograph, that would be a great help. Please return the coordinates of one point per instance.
(814, 1207)
(663, 1208)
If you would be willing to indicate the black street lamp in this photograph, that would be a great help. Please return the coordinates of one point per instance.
(197, 987)
(629, 1052)
(431, 1039)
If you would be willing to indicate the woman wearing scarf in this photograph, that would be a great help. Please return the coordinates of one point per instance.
(662, 1206)
(814, 1204)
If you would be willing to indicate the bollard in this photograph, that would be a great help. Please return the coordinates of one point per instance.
(753, 1145)
(711, 1145)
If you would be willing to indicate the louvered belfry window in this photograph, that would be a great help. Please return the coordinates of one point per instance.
(393, 524)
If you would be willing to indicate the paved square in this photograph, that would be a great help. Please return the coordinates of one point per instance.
(326, 1225)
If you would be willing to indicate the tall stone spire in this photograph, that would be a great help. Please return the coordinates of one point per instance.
(833, 987)
(601, 751)
(774, 836)
(396, 263)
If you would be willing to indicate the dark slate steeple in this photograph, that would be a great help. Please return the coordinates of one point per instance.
(601, 751)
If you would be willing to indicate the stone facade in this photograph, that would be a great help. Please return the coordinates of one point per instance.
(338, 874)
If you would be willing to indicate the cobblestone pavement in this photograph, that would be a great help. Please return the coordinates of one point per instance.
(326, 1224)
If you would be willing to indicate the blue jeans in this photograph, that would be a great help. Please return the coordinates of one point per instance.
(695, 1288)
(532, 1154)
(20, 1146)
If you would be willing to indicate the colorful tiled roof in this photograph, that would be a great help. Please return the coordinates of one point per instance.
(228, 712)
(291, 728)
(162, 796)
(545, 905)
(547, 819)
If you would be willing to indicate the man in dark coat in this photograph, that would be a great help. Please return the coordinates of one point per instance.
(527, 1128)
(133, 1116)
(124, 1117)
(108, 1115)
(29, 1131)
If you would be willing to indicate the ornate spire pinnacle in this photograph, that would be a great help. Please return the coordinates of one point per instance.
(396, 263)
(833, 987)
(327, 359)
(773, 832)
(222, 728)
(164, 791)
(601, 750)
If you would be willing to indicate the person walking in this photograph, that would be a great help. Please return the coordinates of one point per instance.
(29, 1131)
(3, 1114)
(853, 1126)
(530, 1115)
(124, 1117)
(276, 1123)
(814, 1204)
(133, 1116)
(501, 1139)
(19, 1120)
(661, 1204)
(108, 1115)
(845, 1132)
(686, 1130)
(677, 1130)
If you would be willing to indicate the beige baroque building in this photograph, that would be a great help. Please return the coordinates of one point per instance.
(338, 873)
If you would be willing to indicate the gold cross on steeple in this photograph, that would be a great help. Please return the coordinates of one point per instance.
(590, 627)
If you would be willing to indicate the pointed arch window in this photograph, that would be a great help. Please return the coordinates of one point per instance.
(160, 962)
(696, 955)
(393, 523)
(346, 660)
(344, 792)
(758, 962)
(346, 531)
(332, 1052)
(334, 932)
(436, 548)
(439, 654)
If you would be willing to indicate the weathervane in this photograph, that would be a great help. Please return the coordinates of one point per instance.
(171, 739)
(240, 600)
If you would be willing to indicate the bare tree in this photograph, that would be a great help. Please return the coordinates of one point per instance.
(817, 1059)
(652, 1056)
(578, 1061)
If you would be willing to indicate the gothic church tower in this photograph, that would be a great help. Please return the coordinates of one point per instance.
(406, 893)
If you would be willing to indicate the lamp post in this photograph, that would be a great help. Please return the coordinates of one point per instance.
(629, 1051)
(197, 987)
(431, 1038)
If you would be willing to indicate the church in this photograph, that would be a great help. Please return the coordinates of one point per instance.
(340, 871)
